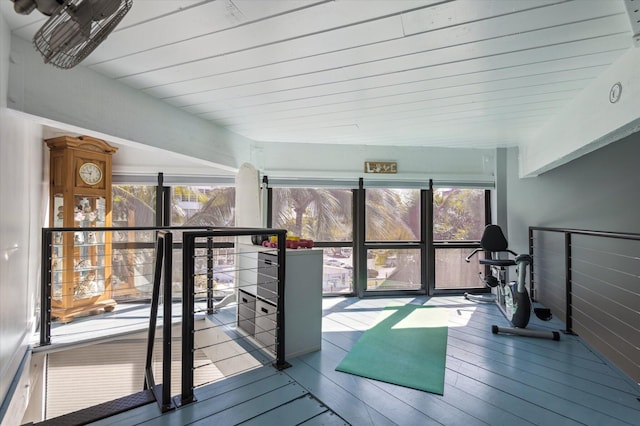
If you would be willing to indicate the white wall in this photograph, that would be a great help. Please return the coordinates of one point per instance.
(22, 188)
(499, 201)
(597, 191)
(88, 100)
(5, 37)
(347, 161)
(22, 216)
(590, 121)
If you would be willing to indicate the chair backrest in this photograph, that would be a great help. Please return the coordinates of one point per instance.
(493, 239)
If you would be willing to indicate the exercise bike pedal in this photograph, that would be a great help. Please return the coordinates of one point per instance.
(543, 313)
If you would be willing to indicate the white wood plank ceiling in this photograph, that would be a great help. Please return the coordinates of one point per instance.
(465, 73)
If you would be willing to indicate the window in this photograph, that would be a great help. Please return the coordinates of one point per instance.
(392, 214)
(133, 205)
(323, 215)
(392, 219)
(133, 251)
(319, 214)
(206, 206)
(396, 247)
(458, 217)
(393, 269)
(458, 214)
(452, 271)
(203, 206)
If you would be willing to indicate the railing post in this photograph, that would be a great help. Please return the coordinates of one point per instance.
(568, 283)
(45, 289)
(531, 280)
(167, 321)
(188, 310)
(149, 381)
(281, 363)
(163, 259)
(210, 276)
(359, 252)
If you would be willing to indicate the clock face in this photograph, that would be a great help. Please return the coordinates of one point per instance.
(90, 173)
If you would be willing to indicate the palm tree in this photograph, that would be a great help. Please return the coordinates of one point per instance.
(136, 201)
(453, 214)
(390, 214)
(218, 210)
(316, 213)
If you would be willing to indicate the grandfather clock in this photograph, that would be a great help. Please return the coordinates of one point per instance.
(80, 197)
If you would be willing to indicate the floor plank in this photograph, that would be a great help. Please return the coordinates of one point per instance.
(489, 379)
(325, 419)
(292, 413)
(234, 407)
(249, 409)
(343, 402)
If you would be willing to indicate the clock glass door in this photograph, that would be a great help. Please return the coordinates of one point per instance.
(78, 257)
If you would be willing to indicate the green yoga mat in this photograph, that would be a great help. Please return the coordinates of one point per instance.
(407, 346)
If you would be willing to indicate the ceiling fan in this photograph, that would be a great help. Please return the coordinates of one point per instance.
(74, 28)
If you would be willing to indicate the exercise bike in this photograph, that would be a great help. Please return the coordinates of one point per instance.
(512, 298)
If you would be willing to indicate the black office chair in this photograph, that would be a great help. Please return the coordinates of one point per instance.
(512, 298)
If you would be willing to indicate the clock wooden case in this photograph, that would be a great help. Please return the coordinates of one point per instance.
(80, 197)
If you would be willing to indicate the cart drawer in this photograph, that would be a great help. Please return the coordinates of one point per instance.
(268, 277)
(266, 324)
(246, 312)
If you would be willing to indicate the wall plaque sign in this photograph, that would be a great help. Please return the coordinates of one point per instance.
(386, 167)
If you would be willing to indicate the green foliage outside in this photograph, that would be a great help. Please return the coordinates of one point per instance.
(218, 208)
(391, 214)
(319, 214)
(458, 214)
(325, 214)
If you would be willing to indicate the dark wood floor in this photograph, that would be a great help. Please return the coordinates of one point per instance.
(490, 380)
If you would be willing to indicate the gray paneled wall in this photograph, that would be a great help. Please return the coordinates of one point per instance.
(596, 192)
(604, 290)
(549, 271)
(606, 298)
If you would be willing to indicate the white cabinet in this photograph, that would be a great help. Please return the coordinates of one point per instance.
(302, 296)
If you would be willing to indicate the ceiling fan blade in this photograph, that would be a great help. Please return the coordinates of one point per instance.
(77, 28)
(102, 9)
(46, 7)
(67, 36)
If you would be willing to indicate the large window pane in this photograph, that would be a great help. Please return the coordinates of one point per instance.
(203, 206)
(458, 214)
(393, 269)
(133, 205)
(392, 214)
(319, 214)
(452, 271)
(337, 271)
(133, 251)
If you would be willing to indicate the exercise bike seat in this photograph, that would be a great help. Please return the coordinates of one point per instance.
(498, 262)
(494, 241)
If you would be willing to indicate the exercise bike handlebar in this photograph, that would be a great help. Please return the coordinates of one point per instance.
(473, 253)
